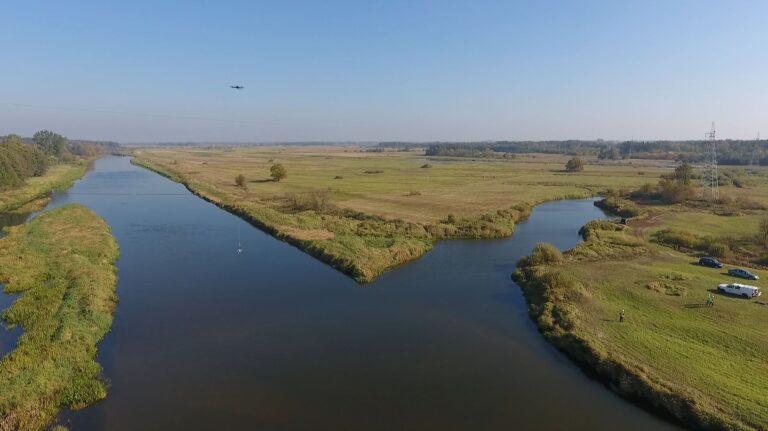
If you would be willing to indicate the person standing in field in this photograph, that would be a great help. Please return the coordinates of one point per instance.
(621, 316)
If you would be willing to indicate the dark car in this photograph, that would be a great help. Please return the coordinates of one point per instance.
(742, 273)
(710, 262)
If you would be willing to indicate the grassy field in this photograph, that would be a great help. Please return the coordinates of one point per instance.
(33, 196)
(61, 264)
(706, 366)
(365, 212)
(463, 187)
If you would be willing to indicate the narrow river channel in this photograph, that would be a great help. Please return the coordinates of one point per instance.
(272, 339)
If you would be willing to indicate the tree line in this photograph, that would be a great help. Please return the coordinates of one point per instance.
(19, 161)
(729, 152)
(22, 158)
(490, 149)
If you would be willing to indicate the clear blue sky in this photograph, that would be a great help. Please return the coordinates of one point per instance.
(150, 71)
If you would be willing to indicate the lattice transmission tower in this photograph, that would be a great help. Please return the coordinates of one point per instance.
(708, 175)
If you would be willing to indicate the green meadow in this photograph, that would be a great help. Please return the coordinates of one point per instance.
(703, 365)
(365, 212)
(61, 266)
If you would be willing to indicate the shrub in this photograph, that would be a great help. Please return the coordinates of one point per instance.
(681, 239)
(718, 249)
(338, 177)
(414, 193)
(621, 207)
(317, 200)
(762, 232)
(426, 166)
(374, 171)
(240, 181)
(574, 165)
(675, 191)
(545, 254)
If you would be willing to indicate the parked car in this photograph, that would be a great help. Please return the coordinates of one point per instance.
(743, 273)
(710, 262)
(743, 290)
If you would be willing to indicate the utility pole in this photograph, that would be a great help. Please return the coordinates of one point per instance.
(709, 189)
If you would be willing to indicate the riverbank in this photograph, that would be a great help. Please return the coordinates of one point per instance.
(701, 365)
(365, 213)
(61, 264)
(34, 195)
(359, 245)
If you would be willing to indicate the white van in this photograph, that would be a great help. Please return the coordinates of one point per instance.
(743, 290)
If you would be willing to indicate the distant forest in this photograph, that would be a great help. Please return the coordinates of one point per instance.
(729, 152)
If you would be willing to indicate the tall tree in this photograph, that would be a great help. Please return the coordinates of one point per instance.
(278, 172)
(50, 143)
(684, 174)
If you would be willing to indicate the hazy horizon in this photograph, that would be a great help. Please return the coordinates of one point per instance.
(142, 72)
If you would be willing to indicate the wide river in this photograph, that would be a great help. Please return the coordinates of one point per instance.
(272, 339)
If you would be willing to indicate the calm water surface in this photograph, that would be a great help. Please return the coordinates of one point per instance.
(272, 339)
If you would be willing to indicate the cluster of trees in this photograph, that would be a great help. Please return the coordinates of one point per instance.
(19, 161)
(50, 143)
(22, 158)
(676, 187)
(277, 172)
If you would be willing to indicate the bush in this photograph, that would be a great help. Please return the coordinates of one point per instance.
(545, 254)
(450, 219)
(574, 165)
(762, 232)
(621, 207)
(426, 166)
(338, 177)
(317, 200)
(718, 249)
(375, 171)
(675, 191)
(240, 181)
(681, 239)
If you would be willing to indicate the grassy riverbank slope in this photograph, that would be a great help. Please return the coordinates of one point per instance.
(61, 264)
(703, 365)
(34, 194)
(365, 212)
